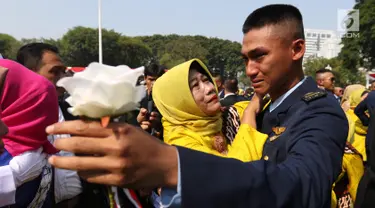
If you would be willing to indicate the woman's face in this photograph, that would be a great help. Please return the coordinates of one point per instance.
(204, 93)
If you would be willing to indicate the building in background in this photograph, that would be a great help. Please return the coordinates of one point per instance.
(322, 43)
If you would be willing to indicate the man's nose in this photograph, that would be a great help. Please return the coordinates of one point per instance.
(251, 69)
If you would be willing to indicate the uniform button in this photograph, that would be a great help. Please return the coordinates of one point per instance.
(266, 157)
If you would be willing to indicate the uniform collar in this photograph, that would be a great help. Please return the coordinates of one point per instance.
(279, 100)
(305, 86)
(229, 94)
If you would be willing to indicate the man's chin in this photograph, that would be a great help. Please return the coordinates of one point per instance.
(260, 91)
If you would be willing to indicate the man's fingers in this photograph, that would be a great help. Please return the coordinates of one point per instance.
(143, 111)
(81, 128)
(85, 145)
(154, 114)
(80, 163)
(145, 123)
(105, 178)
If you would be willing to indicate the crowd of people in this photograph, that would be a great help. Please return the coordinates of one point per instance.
(197, 140)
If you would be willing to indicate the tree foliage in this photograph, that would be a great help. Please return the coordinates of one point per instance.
(8, 46)
(79, 47)
(359, 46)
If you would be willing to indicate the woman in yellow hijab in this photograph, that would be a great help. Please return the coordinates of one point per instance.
(345, 188)
(360, 131)
(187, 99)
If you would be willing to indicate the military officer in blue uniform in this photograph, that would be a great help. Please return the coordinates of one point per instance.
(301, 157)
(307, 129)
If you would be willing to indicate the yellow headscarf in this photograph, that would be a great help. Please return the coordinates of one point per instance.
(173, 98)
(355, 97)
(349, 90)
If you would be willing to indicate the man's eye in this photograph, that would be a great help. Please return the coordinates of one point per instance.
(259, 56)
(245, 59)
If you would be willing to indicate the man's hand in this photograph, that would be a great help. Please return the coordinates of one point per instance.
(255, 106)
(119, 155)
(142, 115)
(147, 123)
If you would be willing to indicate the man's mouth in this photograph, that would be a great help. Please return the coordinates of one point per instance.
(256, 82)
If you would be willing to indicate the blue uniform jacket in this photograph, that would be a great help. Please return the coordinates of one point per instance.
(367, 104)
(301, 159)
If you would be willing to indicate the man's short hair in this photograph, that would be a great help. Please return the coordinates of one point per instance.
(217, 75)
(154, 70)
(231, 85)
(372, 81)
(322, 71)
(276, 14)
(30, 55)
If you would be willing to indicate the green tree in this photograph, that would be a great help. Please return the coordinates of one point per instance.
(180, 50)
(359, 46)
(134, 52)
(8, 46)
(80, 46)
(217, 53)
(225, 55)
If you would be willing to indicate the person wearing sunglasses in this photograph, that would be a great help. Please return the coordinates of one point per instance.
(326, 80)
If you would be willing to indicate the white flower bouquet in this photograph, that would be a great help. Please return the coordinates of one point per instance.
(102, 91)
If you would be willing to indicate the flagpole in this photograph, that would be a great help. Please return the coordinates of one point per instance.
(100, 31)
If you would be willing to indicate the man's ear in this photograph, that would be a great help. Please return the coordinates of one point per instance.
(298, 49)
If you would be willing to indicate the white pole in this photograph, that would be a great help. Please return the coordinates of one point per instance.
(100, 31)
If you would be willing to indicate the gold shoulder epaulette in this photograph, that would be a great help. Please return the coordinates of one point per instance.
(310, 96)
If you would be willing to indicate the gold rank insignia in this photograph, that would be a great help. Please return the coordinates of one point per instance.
(310, 96)
(278, 131)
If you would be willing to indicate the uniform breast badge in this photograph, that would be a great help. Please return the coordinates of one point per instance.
(277, 131)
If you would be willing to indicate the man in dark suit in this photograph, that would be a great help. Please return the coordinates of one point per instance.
(366, 188)
(366, 105)
(230, 96)
(301, 157)
(219, 80)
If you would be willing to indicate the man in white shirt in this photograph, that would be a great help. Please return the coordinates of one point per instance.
(21, 169)
(44, 59)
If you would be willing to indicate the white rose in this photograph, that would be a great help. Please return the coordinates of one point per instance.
(102, 90)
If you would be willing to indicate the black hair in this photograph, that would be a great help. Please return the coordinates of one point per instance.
(196, 66)
(322, 71)
(30, 55)
(275, 14)
(231, 85)
(154, 70)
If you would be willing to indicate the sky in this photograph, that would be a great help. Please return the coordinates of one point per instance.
(212, 18)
